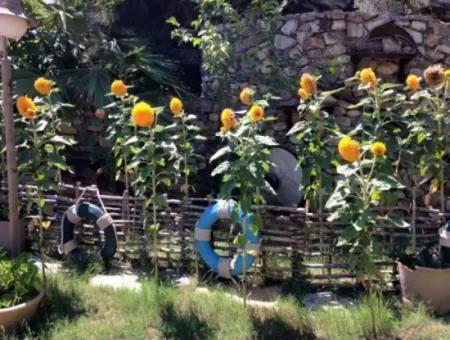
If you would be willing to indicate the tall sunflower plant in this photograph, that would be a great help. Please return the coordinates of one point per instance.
(186, 134)
(365, 181)
(244, 163)
(41, 152)
(153, 160)
(315, 132)
(434, 100)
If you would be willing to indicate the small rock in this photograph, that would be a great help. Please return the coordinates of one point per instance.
(301, 37)
(283, 42)
(355, 30)
(295, 53)
(419, 25)
(289, 27)
(315, 42)
(444, 49)
(330, 39)
(326, 300)
(338, 25)
(432, 40)
(335, 50)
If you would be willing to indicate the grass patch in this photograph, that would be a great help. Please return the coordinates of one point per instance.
(72, 309)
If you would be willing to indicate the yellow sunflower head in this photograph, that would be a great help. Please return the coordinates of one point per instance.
(348, 149)
(434, 75)
(228, 119)
(378, 148)
(246, 96)
(118, 88)
(43, 86)
(308, 83)
(412, 82)
(368, 77)
(176, 106)
(26, 107)
(303, 94)
(256, 113)
(143, 115)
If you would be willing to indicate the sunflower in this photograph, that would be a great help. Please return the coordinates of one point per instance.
(176, 106)
(143, 114)
(434, 75)
(118, 88)
(412, 82)
(368, 77)
(447, 76)
(303, 94)
(43, 86)
(246, 96)
(348, 149)
(228, 119)
(308, 83)
(256, 113)
(26, 107)
(378, 148)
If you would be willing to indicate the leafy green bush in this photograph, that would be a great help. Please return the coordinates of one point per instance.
(19, 279)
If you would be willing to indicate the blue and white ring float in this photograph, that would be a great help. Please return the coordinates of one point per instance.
(224, 266)
(74, 216)
(444, 242)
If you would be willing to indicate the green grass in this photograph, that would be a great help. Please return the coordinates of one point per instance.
(72, 309)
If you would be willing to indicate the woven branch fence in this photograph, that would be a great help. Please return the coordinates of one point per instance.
(296, 245)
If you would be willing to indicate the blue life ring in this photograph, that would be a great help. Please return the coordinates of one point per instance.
(444, 242)
(225, 267)
(73, 216)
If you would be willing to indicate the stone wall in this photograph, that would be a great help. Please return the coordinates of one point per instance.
(333, 44)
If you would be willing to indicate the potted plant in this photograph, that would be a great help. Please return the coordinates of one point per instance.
(20, 289)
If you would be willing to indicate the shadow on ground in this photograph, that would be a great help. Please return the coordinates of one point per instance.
(187, 326)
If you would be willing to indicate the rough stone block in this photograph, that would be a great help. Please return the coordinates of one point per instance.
(418, 26)
(355, 30)
(444, 49)
(335, 50)
(315, 42)
(283, 42)
(339, 25)
(290, 27)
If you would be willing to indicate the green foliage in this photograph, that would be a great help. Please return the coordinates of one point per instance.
(41, 151)
(19, 279)
(185, 136)
(367, 181)
(72, 44)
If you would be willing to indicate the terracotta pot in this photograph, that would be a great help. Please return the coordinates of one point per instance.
(12, 316)
(13, 246)
(429, 285)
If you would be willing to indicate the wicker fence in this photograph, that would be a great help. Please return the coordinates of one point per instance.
(295, 245)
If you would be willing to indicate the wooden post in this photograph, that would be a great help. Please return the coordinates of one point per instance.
(13, 196)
